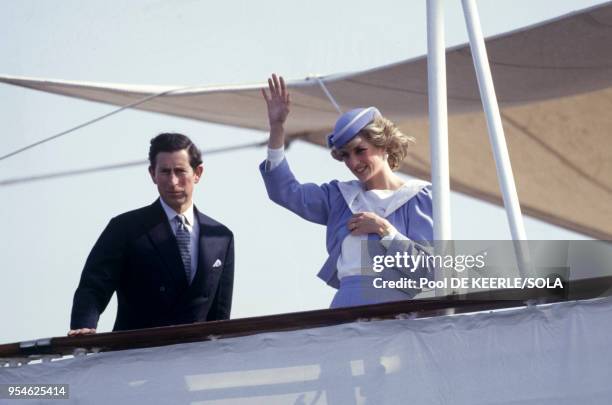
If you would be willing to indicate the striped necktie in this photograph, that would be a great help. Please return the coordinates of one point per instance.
(184, 244)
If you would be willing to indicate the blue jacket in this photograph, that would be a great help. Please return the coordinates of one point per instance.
(327, 205)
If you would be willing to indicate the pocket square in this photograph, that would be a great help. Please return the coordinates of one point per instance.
(217, 264)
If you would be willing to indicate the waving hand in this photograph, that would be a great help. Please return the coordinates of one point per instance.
(278, 109)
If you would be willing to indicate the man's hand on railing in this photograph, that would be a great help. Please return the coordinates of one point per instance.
(82, 331)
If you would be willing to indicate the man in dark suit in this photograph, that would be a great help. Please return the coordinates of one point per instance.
(169, 263)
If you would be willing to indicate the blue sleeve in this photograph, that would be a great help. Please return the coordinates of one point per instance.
(308, 200)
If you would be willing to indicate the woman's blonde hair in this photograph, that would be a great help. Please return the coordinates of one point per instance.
(384, 134)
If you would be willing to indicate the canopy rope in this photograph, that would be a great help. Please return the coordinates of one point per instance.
(328, 94)
(52, 137)
(47, 176)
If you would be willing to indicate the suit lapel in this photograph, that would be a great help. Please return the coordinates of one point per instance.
(208, 253)
(162, 237)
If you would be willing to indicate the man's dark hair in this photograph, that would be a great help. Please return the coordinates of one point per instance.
(172, 142)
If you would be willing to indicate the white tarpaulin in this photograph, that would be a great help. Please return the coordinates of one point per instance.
(553, 354)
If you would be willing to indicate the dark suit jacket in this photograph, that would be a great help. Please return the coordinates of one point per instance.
(138, 257)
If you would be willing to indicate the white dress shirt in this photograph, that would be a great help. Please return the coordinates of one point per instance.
(382, 203)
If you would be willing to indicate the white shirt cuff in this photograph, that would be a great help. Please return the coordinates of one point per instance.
(275, 157)
(394, 234)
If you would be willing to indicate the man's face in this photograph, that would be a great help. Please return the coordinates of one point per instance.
(175, 178)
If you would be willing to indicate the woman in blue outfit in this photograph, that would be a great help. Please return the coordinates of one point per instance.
(377, 214)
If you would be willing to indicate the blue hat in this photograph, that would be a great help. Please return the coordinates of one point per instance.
(349, 124)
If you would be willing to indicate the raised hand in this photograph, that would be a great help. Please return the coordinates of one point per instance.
(278, 101)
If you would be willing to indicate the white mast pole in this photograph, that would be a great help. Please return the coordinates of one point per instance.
(438, 119)
(438, 127)
(496, 131)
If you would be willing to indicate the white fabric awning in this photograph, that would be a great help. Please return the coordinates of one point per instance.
(553, 81)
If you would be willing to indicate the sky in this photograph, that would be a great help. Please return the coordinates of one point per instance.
(48, 227)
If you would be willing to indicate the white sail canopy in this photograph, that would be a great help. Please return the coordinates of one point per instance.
(553, 82)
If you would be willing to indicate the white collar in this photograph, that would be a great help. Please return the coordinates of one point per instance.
(171, 213)
(352, 192)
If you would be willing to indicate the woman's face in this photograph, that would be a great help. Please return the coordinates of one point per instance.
(363, 159)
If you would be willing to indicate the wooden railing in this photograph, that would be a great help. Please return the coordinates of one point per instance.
(488, 300)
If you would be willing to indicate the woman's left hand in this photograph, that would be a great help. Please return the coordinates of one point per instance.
(364, 223)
